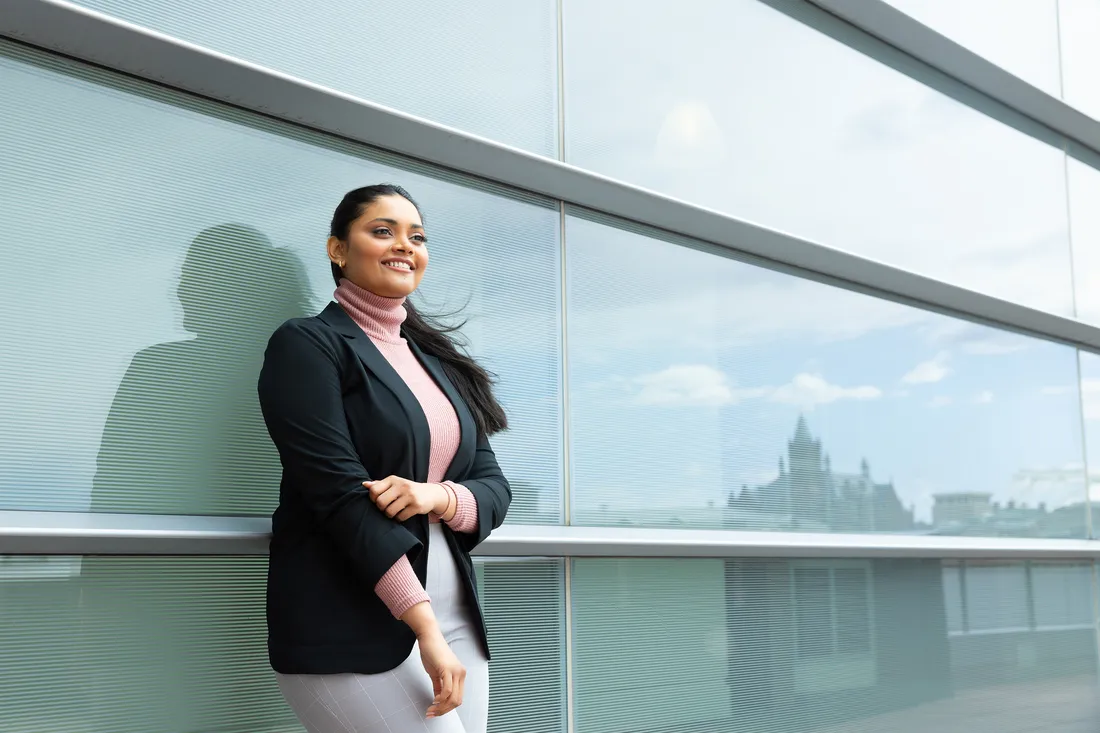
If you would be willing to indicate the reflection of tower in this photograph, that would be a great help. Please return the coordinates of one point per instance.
(809, 495)
(808, 486)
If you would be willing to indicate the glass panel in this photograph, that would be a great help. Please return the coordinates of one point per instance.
(134, 645)
(952, 599)
(1062, 595)
(184, 233)
(525, 613)
(1025, 37)
(1084, 219)
(997, 597)
(424, 58)
(880, 655)
(178, 645)
(1079, 25)
(1090, 408)
(758, 115)
(707, 392)
(1020, 36)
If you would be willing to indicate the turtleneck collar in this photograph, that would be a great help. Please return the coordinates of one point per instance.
(380, 317)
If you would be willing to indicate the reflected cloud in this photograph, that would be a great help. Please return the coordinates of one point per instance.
(983, 398)
(973, 339)
(699, 385)
(690, 137)
(810, 390)
(688, 385)
(929, 372)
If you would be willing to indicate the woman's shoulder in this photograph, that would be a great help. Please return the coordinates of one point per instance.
(319, 330)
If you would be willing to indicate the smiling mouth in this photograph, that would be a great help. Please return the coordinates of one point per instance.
(399, 266)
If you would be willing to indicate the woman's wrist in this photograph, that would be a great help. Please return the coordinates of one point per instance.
(421, 620)
(442, 502)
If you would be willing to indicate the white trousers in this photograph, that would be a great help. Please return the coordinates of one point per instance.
(397, 701)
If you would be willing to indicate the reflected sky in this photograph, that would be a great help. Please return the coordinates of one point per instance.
(704, 366)
(423, 58)
(759, 116)
(120, 194)
(1084, 192)
(1020, 36)
(1051, 44)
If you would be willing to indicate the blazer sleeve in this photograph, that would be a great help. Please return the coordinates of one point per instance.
(491, 490)
(302, 404)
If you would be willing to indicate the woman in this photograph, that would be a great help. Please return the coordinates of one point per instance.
(389, 482)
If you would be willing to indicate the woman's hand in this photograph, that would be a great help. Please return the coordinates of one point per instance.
(401, 499)
(447, 673)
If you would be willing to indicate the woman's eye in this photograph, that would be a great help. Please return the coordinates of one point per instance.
(381, 231)
(420, 238)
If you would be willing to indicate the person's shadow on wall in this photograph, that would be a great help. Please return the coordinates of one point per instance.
(184, 434)
(176, 644)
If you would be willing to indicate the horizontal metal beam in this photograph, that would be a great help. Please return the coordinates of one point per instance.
(63, 533)
(909, 35)
(74, 533)
(60, 26)
(643, 542)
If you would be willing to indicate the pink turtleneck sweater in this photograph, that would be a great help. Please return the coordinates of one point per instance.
(381, 319)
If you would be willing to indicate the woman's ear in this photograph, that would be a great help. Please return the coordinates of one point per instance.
(337, 251)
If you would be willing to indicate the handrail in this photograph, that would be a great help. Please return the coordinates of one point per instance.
(72, 533)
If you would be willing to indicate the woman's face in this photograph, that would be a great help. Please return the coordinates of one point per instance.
(386, 251)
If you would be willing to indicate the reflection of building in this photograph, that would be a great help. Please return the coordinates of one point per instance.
(962, 507)
(836, 640)
(809, 495)
(832, 640)
(975, 513)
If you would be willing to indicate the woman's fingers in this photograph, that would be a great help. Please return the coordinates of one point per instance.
(460, 688)
(395, 505)
(384, 497)
(377, 488)
(442, 703)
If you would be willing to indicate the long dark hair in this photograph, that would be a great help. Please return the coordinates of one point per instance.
(472, 381)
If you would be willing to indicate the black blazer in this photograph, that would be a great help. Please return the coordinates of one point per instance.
(339, 415)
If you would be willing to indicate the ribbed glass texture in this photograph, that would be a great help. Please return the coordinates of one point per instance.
(428, 58)
(525, 602)
(833, 646)
(708, 392)
(178, 645)
(135, 645)
(153, 242)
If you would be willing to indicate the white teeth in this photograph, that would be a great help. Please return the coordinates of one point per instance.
(399, 265)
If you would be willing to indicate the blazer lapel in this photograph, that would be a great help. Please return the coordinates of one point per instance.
(464, 456)
(372, 358)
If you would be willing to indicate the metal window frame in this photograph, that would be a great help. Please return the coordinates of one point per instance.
(74, 533)
(60, 26)
(84, 34)
(907, 34)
